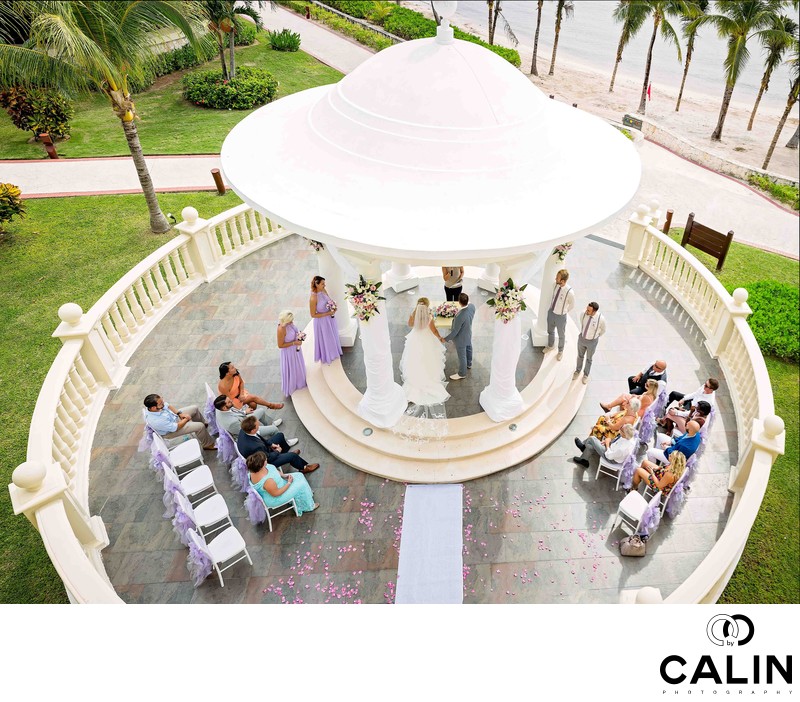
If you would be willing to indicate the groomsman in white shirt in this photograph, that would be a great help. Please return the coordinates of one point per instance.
(593, 326)
(562, 300)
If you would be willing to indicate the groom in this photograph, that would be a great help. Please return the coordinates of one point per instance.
(461, 335)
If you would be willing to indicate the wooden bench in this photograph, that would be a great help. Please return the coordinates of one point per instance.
(707, 240)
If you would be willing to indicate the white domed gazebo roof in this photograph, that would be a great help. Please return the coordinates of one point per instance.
(432, 148)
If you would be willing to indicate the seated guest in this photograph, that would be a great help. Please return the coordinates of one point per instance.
(276, 488)
(170, 423)
(276, 447)
(609, 426)
(614, 450)
(231, 385)
(230, 418)
(660, 477)
(658, 371)
(674, 423)
(647, 399)
(707, 392)
(686, 444)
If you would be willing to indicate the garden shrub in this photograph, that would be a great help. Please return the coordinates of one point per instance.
(789, 194)
(285, 40)
(11, 204)
(17, 103)
(355, 8)
(38, 111)
(246, 32)
(250, 87)
(776, 318)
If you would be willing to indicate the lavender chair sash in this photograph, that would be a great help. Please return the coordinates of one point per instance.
(701, 449)
(169, 498)
(198, 564)
(146, 442)
(181, 523)
(210, 414)
(627, 469)
(648, 425)
(226, 450)
(157, 457)
(679, 494)
(256, 511)
(651, 517)
(239, 474)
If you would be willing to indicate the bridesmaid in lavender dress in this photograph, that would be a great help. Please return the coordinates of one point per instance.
(293, 367)
(326, 336)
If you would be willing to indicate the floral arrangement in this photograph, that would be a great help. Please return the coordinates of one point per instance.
(446, 309)
(330, 306)
(301, 337)
(507, 301)
(316, 245)
(364, 296)
(562, 250)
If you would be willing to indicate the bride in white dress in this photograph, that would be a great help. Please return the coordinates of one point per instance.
(422, 363)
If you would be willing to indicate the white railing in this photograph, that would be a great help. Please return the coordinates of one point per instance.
(722, 318)
(51, 487)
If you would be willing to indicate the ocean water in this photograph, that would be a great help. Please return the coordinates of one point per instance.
(590, 38)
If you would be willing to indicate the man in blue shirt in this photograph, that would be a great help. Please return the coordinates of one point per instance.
(170, 423)
(687, 444)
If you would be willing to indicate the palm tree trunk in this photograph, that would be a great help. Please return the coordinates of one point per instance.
(221, 46)
(158, 222)
(231, 48)
(490, 5)
(723, 111)
(793, 142)
(689, 50)
(555, 41)
(789, 105)
(763, 89)
(620, 47)
(534, 69)
(648, 63)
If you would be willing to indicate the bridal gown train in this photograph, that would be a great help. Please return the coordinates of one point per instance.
(422, 368)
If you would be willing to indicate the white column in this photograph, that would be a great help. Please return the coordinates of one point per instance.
(384, 402)
(399, 278)
(552, 265)
(638, 222)
(490, 278)
(500, 399)
(334, 283)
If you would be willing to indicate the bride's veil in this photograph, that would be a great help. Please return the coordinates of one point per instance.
(422, 317)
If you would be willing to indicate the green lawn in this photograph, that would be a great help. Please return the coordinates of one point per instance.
(769, 570)
(169, 124)
(67, 250)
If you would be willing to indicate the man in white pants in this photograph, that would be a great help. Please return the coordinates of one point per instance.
(562, 300)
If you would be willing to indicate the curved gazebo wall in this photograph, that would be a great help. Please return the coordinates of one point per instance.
(51, 488)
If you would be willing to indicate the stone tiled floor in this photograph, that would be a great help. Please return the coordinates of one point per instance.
(537, 532)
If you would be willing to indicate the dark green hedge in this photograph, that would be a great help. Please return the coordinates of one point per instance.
(251, 87)
(776, 318)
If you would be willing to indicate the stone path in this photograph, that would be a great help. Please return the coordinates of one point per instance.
(537, 532)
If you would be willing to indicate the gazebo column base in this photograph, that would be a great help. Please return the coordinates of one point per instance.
(399, 278)
(490, 280)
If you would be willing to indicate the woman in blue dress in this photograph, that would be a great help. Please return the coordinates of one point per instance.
(277, 489)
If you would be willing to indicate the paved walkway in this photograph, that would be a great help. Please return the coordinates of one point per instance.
(718, 201)
(535, 533)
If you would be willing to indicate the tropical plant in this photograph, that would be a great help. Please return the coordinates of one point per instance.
(380, 11)
(564, 8)
(11, 204)
(632, 14)
(251, 87)
(661, 11)
(222, 22)
(495, 13)
(83, 45)
(738, 21)
(534, 69)
(285, 40)
(776, 44)
(691, 36)
(794, 93)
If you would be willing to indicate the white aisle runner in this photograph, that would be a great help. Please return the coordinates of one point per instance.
(431, 546)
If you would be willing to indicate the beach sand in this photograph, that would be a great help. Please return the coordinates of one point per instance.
(576, 83)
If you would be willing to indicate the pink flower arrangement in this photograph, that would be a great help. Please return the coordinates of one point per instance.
(316, 245)
(562, 250)
(446, 309)
(508, 301)
(301, 337)
(364, 296)
(330, 306)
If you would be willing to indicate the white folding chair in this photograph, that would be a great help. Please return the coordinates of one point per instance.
(184, 457)
(609, 468)
(631, 510)
(197, 486)
(282, 508)
(224, 548)
(212, 512)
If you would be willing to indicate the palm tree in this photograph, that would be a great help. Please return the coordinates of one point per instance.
(632, 14)
(222, 23)
(794, 92)
(776, 44)
(661, 10)
(495, 13)
(702, 8)
(82, 45)
(738, 21)
(564, 8)
(534, 70)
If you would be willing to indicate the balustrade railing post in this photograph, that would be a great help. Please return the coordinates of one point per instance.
(638, 222)
(768, 434)
(200, 245)
(100, 360)
(734, 308)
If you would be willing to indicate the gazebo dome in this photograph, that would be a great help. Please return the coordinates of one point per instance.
(429, 149)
